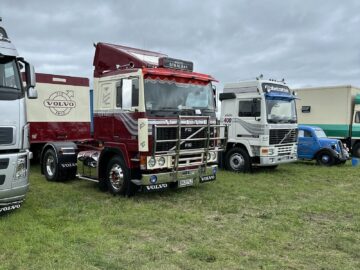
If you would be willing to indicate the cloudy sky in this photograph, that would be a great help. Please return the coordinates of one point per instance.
(306, 42)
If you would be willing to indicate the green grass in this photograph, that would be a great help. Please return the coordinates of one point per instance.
(299, 216)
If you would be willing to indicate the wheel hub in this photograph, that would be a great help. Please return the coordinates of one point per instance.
(237, 161)
(50, 166)
(116, 177)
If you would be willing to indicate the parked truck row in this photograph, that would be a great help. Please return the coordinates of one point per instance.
(150, 123)
(14, 130)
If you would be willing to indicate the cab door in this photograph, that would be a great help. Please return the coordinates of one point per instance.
(307, 146)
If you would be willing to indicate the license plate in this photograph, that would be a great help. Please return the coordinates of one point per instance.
(186, 182)
(207, 178)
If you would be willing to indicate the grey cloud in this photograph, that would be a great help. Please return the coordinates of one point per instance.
(306, 42)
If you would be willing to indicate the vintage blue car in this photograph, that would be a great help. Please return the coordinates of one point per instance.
(315, 145)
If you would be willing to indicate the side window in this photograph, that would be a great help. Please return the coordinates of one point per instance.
(357, 117)
(301, 133)
(307, 134)
(127, 93)
(119, 94)
(249, 108)
(135, 93)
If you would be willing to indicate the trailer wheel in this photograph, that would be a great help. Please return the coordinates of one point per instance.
(118, 177)
(325, 158)
(238, 160)
(50, 165)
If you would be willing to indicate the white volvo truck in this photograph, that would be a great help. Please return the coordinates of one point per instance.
(14, 142)
(262, 124)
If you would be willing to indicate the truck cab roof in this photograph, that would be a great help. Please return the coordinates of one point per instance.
(112, 59)
(6, 47)
(253, 86)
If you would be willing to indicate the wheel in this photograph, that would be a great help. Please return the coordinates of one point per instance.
(325, 158)
(356, 150)
(118, 177)
(50, 166)
(237, 160)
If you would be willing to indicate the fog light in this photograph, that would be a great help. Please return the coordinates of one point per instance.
(214, 170)
(153, 179)
(152, 162)
(21, 168)
(161, 161)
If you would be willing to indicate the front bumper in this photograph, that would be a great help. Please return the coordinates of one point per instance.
(198, 175)
(13, 191)
(275, 160)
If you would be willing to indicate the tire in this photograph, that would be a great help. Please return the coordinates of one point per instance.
(237, 160)
(50, 166)
(356, 150)
(325, 158)
(118, 177)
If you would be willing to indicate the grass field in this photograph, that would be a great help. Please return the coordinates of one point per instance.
(300, 216)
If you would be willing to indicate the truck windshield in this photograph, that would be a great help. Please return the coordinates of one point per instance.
(281, 111)
(163, 95)
(9, 75)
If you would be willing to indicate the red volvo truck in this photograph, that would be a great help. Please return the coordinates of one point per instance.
(154, 123)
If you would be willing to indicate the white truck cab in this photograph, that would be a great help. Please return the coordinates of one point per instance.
(14, 130)
(262, 124)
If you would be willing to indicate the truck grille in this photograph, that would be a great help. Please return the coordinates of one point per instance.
(278, 136)
(171, 134)
(284, 150)
(6, 135)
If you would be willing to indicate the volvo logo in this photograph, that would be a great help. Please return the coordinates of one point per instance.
(60, 103)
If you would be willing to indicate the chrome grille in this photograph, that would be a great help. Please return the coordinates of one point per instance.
(284, 150)
(282, 136)
(6, 135)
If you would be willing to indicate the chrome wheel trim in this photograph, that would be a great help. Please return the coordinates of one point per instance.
(237, 162)
(116, 177)
(50, 165)
(325, 159)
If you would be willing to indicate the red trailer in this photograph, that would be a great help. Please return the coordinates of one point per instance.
(154, 123)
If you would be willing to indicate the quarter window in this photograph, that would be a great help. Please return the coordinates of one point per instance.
(249, 108)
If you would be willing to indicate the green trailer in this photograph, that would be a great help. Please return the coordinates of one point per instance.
(336, 109)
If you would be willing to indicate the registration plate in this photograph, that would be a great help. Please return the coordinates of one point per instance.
(207, 178)
(186, 182)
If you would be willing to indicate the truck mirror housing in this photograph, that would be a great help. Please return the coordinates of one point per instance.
(214, 95)
(126, 94)
(32, 93)
(30, 81)
(30, 75)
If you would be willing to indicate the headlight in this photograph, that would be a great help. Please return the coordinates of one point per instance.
(151, 162)
(208, 157)
(21, 168)
(213, 156)
(161, 161)
(271, 151)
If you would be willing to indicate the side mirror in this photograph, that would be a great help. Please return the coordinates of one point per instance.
(30, 81)
(32, 93)
(126, 94)
(30, 75)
